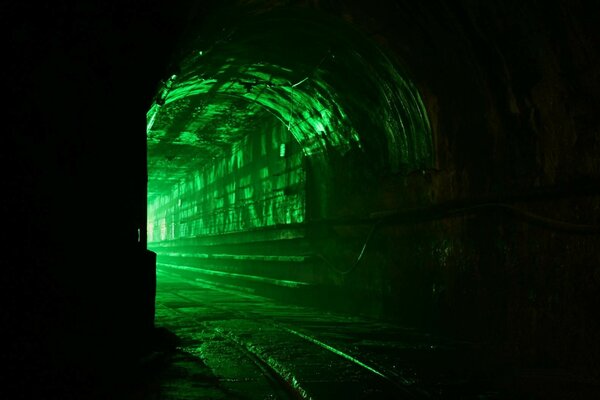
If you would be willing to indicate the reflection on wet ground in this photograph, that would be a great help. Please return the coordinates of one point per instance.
(238, 345)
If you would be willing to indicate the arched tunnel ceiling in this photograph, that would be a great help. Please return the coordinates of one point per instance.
(331, 86)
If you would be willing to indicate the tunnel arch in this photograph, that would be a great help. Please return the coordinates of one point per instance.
(500, 88)
(330, 85)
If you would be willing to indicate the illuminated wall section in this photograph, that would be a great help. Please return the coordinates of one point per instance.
(259, 183)
(333, 88)
(263, 117)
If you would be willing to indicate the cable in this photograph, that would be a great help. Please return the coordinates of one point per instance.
(360, 255)
(533, 218)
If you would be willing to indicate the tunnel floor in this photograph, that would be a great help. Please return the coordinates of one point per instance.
(233, 344)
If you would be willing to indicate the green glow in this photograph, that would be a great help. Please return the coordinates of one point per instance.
(228, 134)
(247, 257)
(330, 86)
(187, 138)
(233, 193)
(253, 278)
(151, 116)
(311, 113)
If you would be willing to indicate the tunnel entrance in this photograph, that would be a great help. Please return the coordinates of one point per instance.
(274, 125)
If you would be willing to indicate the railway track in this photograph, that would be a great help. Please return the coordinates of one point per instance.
(292, 361)
(258, 348)
(278, 387)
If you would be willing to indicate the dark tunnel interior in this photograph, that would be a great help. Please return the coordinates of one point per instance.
(308, 199)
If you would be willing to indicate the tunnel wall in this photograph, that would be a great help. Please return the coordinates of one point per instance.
(238, 218)
(255, 186)
(511, 91)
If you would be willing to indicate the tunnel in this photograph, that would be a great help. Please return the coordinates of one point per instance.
(308, 199)
(264, 144)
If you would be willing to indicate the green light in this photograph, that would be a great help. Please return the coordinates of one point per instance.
(282, 150)
(307, 114)
(233, 193)
(151, 116)
(252, 278)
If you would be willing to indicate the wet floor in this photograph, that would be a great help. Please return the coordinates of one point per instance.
(234, 344)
